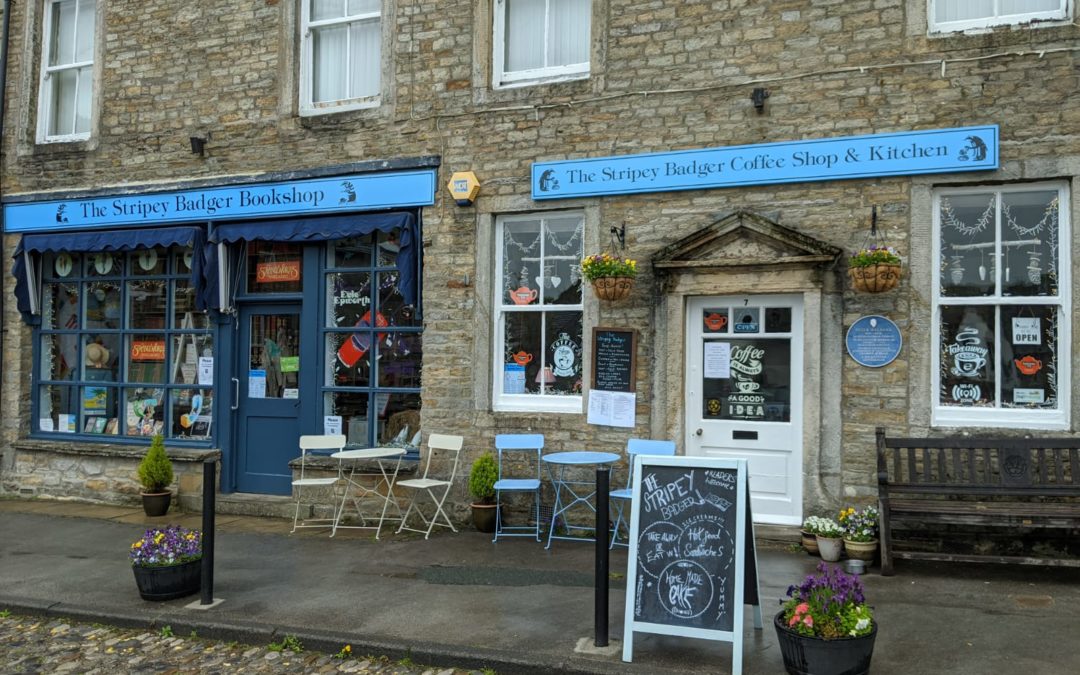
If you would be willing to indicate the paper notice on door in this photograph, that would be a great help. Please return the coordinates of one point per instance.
(612, 408)
(290, 392)
(718, 360)
(256, 384)
(206, 371)
(332, 425)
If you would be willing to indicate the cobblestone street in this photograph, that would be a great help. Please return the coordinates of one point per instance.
(43, 645)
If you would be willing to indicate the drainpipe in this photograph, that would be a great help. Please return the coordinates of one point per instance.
(5, 34)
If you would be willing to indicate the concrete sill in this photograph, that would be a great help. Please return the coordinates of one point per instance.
(84, 449)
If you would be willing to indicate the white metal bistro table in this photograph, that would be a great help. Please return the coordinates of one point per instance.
(558, 464)
(355, 490)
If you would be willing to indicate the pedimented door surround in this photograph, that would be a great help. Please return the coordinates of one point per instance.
(744, 253)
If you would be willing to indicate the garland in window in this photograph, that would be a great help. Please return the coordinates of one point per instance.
(949, 218)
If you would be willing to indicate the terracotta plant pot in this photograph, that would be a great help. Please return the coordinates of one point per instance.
(817, 656)
(483, 516)
(613, 288)
(809, 542)
(861, 550)
(874, 278)
(830, 548)
(156, 503)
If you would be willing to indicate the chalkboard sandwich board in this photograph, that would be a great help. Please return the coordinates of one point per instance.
(614, 359)
(692, 563)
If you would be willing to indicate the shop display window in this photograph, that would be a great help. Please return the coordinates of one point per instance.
(1001, 300)
(539, 312)
(120, 345)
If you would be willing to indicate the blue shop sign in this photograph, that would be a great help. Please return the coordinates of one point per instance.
(874, 341)
(900, 154)
(260, 200)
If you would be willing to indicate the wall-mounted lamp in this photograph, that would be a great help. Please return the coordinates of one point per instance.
(198, 145)
(758, 97)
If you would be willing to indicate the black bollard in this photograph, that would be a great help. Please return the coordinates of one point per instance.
(603, 475)
(208, 506)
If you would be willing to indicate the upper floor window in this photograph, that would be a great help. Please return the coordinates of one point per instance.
(67, 65)
(341, 43)
(1002, 307)
(953, 15)
(541, 40)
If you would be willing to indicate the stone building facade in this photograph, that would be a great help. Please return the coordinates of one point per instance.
(447, 93)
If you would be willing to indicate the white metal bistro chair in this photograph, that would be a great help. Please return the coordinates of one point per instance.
(436, 488)
(510, 481)
(308, 445)
(620, 497)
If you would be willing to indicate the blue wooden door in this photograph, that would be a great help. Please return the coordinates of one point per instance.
(267, 428)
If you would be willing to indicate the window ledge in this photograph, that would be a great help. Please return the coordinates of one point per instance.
(409, 465)
(573, 406)
(90, 449)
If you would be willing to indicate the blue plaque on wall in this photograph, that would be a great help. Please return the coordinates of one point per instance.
(874, 341)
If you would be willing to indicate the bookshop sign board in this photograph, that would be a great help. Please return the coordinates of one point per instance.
(692, 563)
(895, 154)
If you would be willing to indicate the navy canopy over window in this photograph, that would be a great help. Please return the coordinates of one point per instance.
(327, 228)
(109, 240)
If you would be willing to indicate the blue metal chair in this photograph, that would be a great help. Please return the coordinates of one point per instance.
(635, 446)
(531, 446)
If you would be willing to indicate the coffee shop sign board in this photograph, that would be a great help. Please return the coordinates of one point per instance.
(874, 341)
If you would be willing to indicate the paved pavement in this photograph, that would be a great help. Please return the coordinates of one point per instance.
(458, 600)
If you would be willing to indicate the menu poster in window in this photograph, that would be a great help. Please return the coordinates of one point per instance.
(692, 564)
(614, 359)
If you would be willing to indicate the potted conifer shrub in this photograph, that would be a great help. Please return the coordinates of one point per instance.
(482, 479)
(156, 475)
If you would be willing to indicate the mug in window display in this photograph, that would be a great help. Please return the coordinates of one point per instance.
(360, 342)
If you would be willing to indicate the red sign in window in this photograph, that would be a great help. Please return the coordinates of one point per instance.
(276, 272)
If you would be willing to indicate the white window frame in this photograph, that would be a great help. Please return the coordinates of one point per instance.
(529, 402)
(523, 78)
(1014, 418)
(1061, 14)
(47, 73)
(308, 107)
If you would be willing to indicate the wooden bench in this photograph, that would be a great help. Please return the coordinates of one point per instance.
(1015, 483)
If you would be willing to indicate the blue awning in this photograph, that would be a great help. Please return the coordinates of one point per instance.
(326, 228)
(109, 240)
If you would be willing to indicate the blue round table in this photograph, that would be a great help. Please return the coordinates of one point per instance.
(558, 464)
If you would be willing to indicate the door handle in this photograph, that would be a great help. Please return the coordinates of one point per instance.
(236, 396)
(698, 432)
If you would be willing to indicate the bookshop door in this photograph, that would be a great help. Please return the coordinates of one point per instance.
(268, 407)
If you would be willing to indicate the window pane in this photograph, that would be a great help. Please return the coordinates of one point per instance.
(55, 364)
(84, 43)
(102, 304)
(715, 320)
(328, 65)
(58, 409)
(101, 358)
(967, 245)
(63, 33)
(144, 411)
(392, 303)
(146, 304)
(365, 46)
(327, 9)
(83, 100)
(348, 299)
(960, 10)
(99, 410)
(562, 253)
(759, 387)
(274, 267)
(521, 263)
(352, 408)
(967, 356)
(275, 348)
(524, 34)
(777, 319)
(364, 6)
(184, 312)
(1025, 6)
(60, 265)
(562, 372)
(1029, 363)
(387, 248)
(60, 307)
(568, 33)
(62, 106)
(147, 261)
(523, 356)
(103, 264)
(398, 359)
(146, 358)
(1029, 228)
(354, 252)
(192, 413)
(348, 359)
(187, 349)
(399, 418)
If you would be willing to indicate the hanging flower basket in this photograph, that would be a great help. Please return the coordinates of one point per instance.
(613, 289)
(875, 269)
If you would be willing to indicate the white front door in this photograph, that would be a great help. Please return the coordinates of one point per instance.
(744, 393)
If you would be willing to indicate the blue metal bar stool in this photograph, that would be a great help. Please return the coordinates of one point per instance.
(530, 445)
(635, 446)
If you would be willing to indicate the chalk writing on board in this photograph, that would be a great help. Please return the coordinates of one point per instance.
(719, 478)
(658, 545)
(614, 359)
(685, 589)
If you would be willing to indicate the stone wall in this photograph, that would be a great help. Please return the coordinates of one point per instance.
(666, 75)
